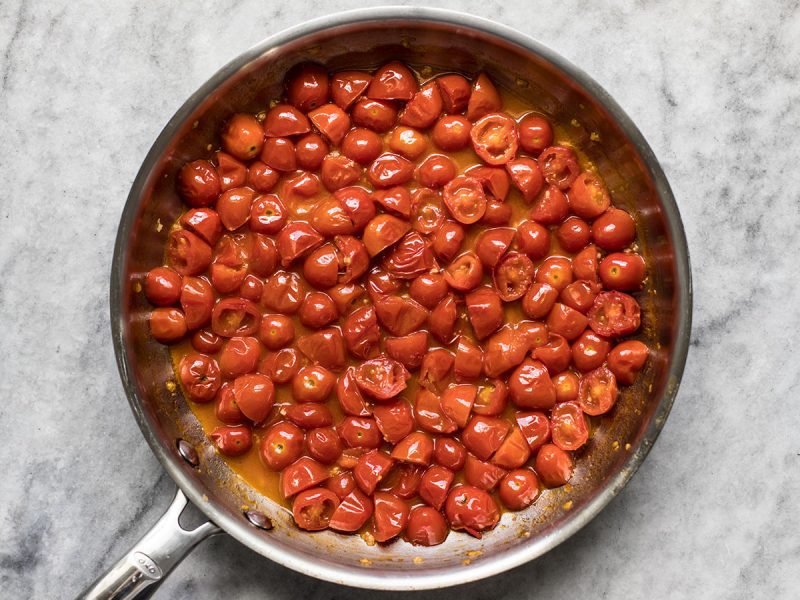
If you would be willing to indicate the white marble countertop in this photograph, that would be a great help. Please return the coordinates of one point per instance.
(714, 87)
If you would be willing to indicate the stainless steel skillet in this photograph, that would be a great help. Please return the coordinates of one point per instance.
(364, 39)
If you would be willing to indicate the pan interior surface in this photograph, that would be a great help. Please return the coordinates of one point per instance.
(443, 41)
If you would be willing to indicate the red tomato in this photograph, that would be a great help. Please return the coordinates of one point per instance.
(484, 99)
(261, 177)
(235, 317)
(493, 243)
(471, 509)
(626, 360)
(198, 183)
(614, 314)
(312, 509)
(465, 199)
(313, 384)
(206, 341)
(555, 271)
(553, 465)
(513, 276)
(162, 286)
(252, 288)
(359, 432)
(411, 257)
(550, 207)
(491, 399)
(573, 234)
(469, 360)
(267, 214)
(452, 132)
(428, 289)
(280, 366)
(530, 386)
(187, 253)
(481, 474)
(494, 139)
(307, 87)
(339, 171)
(533, 333)
(381, 283)
(535, 427)
(408, 349)
(393, 81)
(302, 474)
(566, 386)
(361, 332)
(276, 331)
(232, 173)
(348, 86)
(377, 115)
(424, 107)
(383, 231)
(457, 401)
(566, 321)
(389, 517)
(449, 453)
(434, 486)
(297, 239)
(526, 176)
(535, 133)
(331, 121)
(226, 409)
(389, 170)
(495, 181)
(408, 142)
(200, 377)
(504, 351)
(321, 268)
(447, 240)
(310, 151)
(429, 415)
(284, 120)
(416, 447)
(279, 153)
(455, 90)
(622, 271)
(597, 392)
(403, 481)
(345, 294)
(589, 351)
(513, 452)
(310, 416)
(483, 435)
(352, 256)
(580, 295)
(352, 513)
(442, 320)
(317, 310)
(614, 229)
(281, 445)
(394, 419)
(381, 378)
(435, 370)
(569, 427)
(485, 311)
(325, 347)
(371, 468)
(232, 440)
(560, 167)
(426, 527)
(533, 239)
(556, 354)
(204, 222)
(465, 272)
(254, 395)
(243, 136)
(519, 489)
(588, 196)
(350, 399)
(342, 484)
(361, 145)
(436, 170)
(230, 265)
(264, 255)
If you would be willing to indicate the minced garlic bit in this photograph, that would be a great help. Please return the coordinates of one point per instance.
(417, 560)
(575, 123)
(365, 561)
(465, 562)
(195, 124)
(594, 136)
(159, 225)
(523, 83)
(627, 446)
(426, 71)
(615, 445)
(261, 116)
(568, 487)
(368, 538)
(273, 103)
(137, 287)
(567, 505)
(170, 385)
(209, 147)
(474, 553)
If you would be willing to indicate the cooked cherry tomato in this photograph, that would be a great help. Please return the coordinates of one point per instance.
(383, 231)
(200, 377)
(416, 447)
(393, 81)
(622, 271)
(436, 170)
(497, 213)
(338, 171)
(471, 509)
(560, 168)
(408, 349)
(281, 445)
(206, 341)
(264, 255)
(284, 120)
(352, 513)
(423, 108)
(312, 509)
(573, 234)
(455, 90)
(597, 392)
(449, 453)
(568, 426)
(407, 141)
(504, 351)
(535, 133)
(483, 435)
(465, 272)
(255, 395)
(626, 360)
(533, 239)
(359, 432)
(555, 354)
(395, 420)
(296, 240)
(428, 289)
(389, 170)
(614, 314)
(280, 366)
(469, 360)
(302, 474)
(307, 87)
(243, 136)
(239, 356)
(589, 351)
(361, 332)
(465, 199)
(381, 378)
(484, 98)
(232, 173)
(361, 145)
(389, 517)
(588, 196)
(580, 295)
(313, 384)
(495, 140)
(267, 214)
(456, 402)
(513, 276)
(283, 292)
(550, 207)
(347, 86)
(566, 386)
(513, 452)
(371, 468)
(530, 386)
(614, 229)
(493, 243)
(442, 320)
(434, 486)
(235, 317)
(251, 289)
(187, 253)
(162, 286)
(317, 310)
(232, 440)
(451, 132)
(325, 347)
(350, 399)
(519, 489)
(535, 427)
(553, 465)
(198, 183)
(533, 333)
(276, 331)
(403, 481)
(491, 398)
(345, 294)
(526, 176)
(261, 177)
(310, 151)
(429, 415)
(279, 153)
(485, 311)
(331, 121)
(448, 239)
(204, 222)
(230, 265)
(342, 484)
(412, 256)
(310, 416)
(566, 321)
(378, 115)
(426, 527)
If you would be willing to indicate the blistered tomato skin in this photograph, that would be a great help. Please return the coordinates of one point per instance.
(404, 298)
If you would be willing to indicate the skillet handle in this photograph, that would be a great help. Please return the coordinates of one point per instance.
(146, 565)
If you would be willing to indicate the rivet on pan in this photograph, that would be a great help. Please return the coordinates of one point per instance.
(259, 519)
(188, 453)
